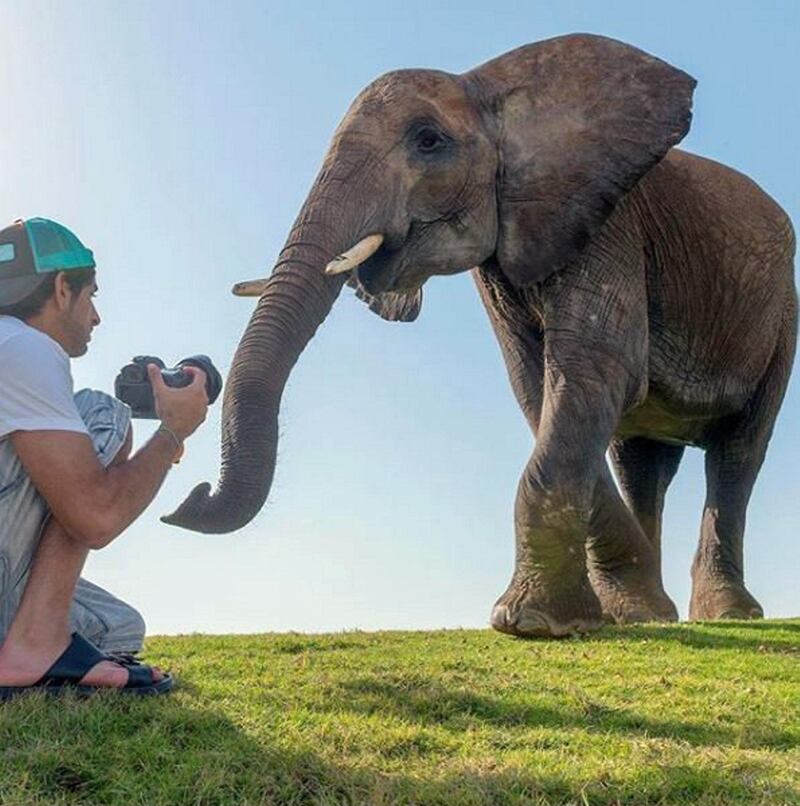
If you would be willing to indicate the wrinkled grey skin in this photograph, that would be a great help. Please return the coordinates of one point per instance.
(642, 297)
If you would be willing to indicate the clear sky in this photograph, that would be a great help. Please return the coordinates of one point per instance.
(179, 139)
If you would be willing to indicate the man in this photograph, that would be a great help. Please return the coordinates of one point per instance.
(67, 482)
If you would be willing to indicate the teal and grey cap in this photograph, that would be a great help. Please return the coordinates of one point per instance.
(33, 248)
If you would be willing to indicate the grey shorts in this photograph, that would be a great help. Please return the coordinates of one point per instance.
(101, 618)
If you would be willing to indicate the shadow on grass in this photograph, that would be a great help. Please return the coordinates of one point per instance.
(756, 625)
(763, 636)
(178, 752)
(427, 702)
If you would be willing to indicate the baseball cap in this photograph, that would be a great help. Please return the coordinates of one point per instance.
(32, 248)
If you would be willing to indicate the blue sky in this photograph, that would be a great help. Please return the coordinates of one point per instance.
(179, 140)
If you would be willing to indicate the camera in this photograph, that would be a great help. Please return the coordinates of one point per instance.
(132, 385)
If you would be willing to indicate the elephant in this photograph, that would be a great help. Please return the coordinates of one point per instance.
(642, 296)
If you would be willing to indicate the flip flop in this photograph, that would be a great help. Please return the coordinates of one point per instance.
(76, 660)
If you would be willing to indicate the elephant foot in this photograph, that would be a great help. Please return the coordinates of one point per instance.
(631, 593)
(715, 597)
(528, 611)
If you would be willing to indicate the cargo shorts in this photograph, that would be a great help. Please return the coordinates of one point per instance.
(109, 623)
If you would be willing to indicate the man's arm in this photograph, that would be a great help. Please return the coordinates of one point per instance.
(95, 504)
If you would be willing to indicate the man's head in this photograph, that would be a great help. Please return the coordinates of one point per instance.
(47, 279)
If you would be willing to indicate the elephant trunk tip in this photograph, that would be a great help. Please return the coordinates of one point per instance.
(200, 513)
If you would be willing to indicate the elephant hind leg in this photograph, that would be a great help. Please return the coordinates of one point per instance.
(645, 468)
(733, 460)
(624, 567)
(718, 589)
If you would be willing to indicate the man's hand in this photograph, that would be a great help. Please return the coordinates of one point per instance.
(180, 410)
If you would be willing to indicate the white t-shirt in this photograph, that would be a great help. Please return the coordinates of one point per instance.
(36, 389)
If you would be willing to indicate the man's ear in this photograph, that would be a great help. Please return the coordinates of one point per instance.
(581, 119)
(62, 293)
(390, 305)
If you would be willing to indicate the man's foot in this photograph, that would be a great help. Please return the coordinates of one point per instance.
(24, 665)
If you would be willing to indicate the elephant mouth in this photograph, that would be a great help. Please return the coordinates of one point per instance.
(378, 273)
(387, 269)
(380, 263)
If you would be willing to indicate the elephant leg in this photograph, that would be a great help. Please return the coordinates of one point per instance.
(718, 589)
(733, 460)
(645, 469)
(625, 575)
(566, 501)
(624, 567)
(550, 593)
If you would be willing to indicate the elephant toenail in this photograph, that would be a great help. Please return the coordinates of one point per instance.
(532, 622)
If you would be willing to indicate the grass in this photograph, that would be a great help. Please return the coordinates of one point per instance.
(680, 714)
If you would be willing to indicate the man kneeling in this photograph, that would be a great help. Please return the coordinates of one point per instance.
(67, 481)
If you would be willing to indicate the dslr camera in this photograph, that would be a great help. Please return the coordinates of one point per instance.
(132, 385)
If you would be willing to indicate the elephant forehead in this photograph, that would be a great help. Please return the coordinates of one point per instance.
(403, 94)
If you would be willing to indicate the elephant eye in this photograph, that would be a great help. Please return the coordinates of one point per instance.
(428, 140)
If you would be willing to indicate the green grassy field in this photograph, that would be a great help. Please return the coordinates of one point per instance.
(690, 714)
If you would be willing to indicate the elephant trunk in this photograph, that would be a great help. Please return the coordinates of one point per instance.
(295, 301)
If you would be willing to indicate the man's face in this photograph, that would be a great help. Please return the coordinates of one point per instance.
(80, 317)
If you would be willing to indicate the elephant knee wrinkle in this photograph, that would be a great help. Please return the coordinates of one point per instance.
(567, 496)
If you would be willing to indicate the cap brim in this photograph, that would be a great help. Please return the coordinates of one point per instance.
(16, 289)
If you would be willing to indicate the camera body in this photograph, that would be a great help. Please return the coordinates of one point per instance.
(132, 385)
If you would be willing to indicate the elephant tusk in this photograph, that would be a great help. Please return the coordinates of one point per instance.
(355, 255)
(250, 288)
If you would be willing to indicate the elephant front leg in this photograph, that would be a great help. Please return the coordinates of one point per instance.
(625, 541)
(624, 566)
(550, 593)
(574, 377)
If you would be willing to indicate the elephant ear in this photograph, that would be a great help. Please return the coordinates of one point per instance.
(581, 119)
(390, 305)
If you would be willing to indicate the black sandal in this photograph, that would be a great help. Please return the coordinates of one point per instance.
(76, 660)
